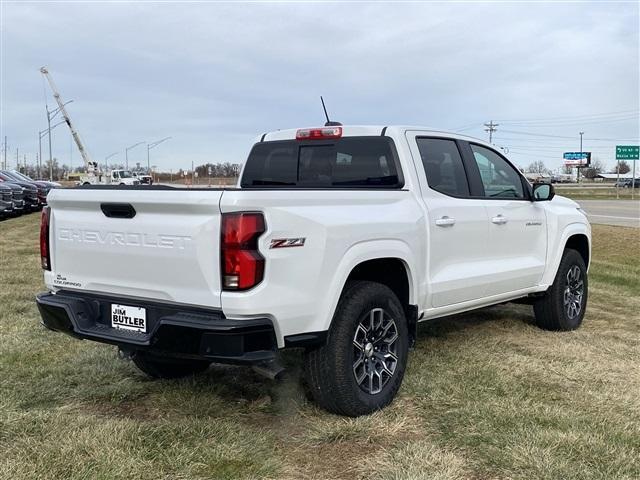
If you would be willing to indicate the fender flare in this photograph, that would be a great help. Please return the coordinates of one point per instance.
(363, 252)
(558, 249)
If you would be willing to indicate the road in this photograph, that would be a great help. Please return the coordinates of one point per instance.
(625, 213)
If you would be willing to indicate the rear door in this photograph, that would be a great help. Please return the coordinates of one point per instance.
(156, 244)
(517, 226)
(457, 224)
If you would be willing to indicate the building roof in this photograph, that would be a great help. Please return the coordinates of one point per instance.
(614, 176)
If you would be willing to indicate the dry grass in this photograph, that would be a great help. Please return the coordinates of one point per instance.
(486, 395)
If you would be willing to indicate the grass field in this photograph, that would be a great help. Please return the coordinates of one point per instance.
(486, 395)
(598, 193)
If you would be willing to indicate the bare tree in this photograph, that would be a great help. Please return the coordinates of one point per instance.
(624, 167)
(537, 167)
(594, 169)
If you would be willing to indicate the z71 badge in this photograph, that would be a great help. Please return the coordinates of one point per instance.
(287, 242)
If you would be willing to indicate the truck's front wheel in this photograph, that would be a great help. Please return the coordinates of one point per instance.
(161, 367)
(360, 368)
(563, 306)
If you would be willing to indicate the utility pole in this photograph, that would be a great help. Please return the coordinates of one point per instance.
(17, 160)
(580, 166)
(491, 127)
(5, 152)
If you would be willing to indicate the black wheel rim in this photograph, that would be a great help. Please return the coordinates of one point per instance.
(375, 356)
(573, 292)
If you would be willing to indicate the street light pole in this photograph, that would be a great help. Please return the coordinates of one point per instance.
(50, 154)
(39, 155)
(106, 166)
(51, 115)
(41, 135)
(149, 147)
(126, 153)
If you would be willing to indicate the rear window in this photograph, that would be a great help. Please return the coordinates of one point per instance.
(349, 162)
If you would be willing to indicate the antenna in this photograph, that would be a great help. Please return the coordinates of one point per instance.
(328, 123)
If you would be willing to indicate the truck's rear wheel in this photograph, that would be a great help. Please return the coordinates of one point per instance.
(563, 306)
(161, 367)
(360, 368)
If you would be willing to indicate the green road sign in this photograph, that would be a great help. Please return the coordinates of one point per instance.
(627, 152)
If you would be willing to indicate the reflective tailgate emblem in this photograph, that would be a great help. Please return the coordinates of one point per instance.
(287, 242)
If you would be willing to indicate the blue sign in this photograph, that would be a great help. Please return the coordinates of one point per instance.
(576, 155)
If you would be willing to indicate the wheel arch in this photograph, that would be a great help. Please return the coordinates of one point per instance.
(389, 263)
(580, 243)
(574, 235)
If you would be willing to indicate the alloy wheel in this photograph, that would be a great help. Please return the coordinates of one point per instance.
(573, 292)
(375, 350)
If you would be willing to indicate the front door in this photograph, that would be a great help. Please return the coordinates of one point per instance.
(517, 226)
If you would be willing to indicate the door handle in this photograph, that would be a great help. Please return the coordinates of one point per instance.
(445, 221)
(499, 219)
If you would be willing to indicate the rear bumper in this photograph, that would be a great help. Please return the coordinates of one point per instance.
(173, 331)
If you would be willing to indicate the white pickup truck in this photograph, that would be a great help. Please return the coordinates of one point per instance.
(337, 240)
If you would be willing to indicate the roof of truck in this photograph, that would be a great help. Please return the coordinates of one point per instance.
(367, 130)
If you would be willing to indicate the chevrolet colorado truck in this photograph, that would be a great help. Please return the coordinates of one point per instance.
(337, 240)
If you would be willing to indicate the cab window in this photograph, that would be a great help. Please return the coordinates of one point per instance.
(499, 178)
(443, 166)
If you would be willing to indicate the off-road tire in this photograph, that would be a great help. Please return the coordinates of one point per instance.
(551, 311)
(329, 370)
(167, 368)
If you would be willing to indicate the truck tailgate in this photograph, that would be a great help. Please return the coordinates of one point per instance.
(169, 250)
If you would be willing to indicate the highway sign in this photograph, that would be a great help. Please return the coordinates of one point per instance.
(627, 152)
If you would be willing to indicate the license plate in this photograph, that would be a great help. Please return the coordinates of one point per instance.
(126, 317)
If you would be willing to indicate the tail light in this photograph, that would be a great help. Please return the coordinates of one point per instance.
(319, 133)
(45, 254)
(242, 264)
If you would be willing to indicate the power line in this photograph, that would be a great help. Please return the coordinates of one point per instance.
(594, 121)
(517, 132)
(572, 117)
(591, 117)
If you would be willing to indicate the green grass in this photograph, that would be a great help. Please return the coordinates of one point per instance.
(602, 193)
(486, 395)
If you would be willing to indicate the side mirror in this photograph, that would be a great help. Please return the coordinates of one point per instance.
(543, 192)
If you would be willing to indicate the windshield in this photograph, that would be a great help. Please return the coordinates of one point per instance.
(21, 176)
(348, 162)
(125, 174)
(11, 176)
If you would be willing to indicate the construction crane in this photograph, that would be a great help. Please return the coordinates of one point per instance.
(90, 166)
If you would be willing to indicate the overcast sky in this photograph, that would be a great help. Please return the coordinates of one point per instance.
(214, 75)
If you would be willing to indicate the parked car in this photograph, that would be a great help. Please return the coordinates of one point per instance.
(338, 240)
(17, 197)
(42, 185)
(32, 193)
(6, 201)
(45, 183)
(628, 183)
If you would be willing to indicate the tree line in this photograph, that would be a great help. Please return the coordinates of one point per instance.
(62, 171)
(593, 170)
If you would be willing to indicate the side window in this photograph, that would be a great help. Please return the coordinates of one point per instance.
(443, 166)
(499, 178)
